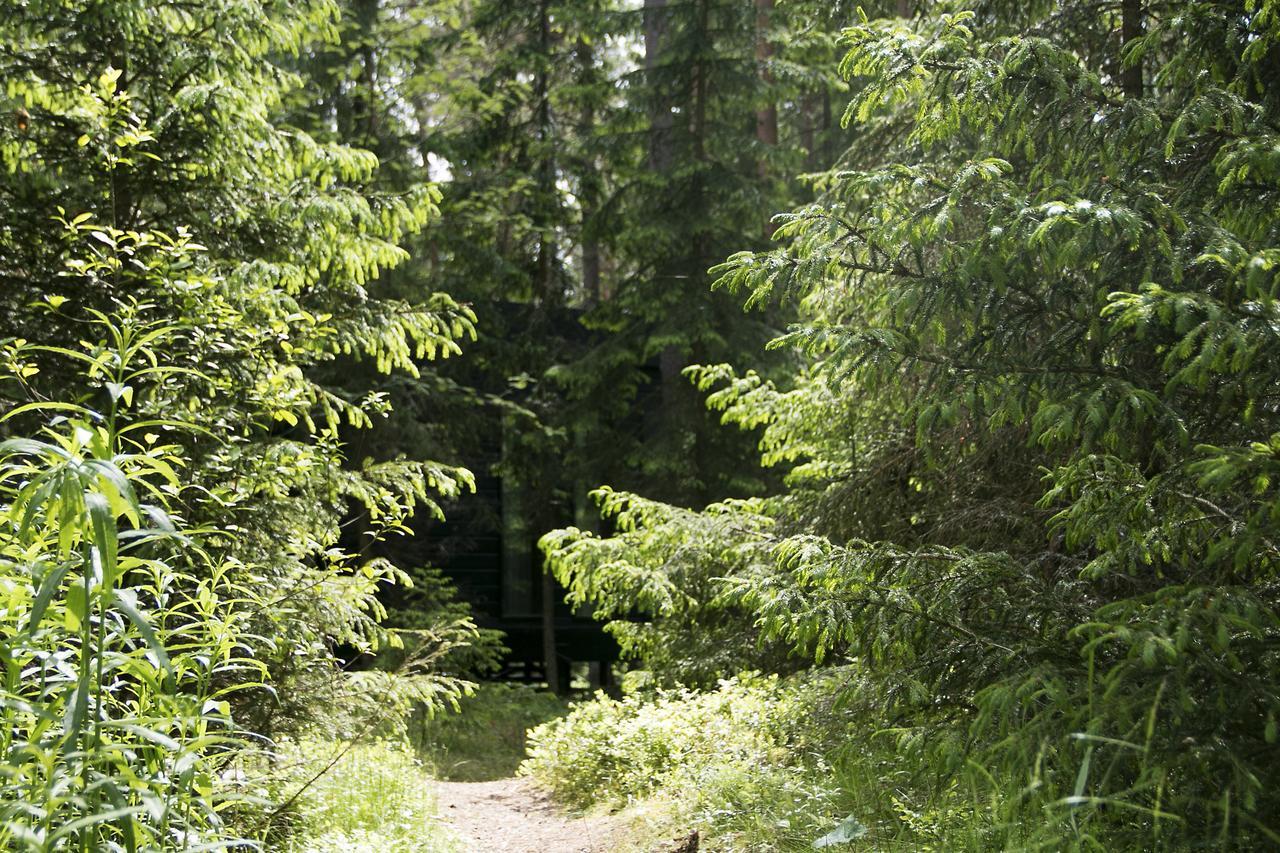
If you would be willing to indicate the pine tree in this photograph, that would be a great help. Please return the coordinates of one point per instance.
(532, 111)
(296, 240)
(1031, 483)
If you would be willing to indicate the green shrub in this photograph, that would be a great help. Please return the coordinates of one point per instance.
(766, 764)
(486, 738)
(121, 636)
(744, 763)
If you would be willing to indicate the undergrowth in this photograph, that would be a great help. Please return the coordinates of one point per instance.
(486, 739)
(745, 764)
(375, 798)
(770, 764)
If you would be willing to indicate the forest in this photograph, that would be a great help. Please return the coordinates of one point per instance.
(639, 425)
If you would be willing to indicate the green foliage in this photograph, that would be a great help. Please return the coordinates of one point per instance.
(1024, 422)
(738, 762)
(123, 635)
(586, 262)
(184, 135)
(173, 553)
(617, 750)
(375, 797)
(429, 607)
(667, 564)
(485, 739)
(1030, 493)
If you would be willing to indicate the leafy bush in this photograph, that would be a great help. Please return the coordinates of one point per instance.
(763, 764)
(485, 739)
(122, 637)
(745, 762)
(619, 750)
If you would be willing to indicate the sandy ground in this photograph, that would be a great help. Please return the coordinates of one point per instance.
(511, 816)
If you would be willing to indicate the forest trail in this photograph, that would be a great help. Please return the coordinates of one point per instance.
(513, 816)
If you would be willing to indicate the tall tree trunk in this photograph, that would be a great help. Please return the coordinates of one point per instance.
(591, 250)
(809, 108)
(661, 158)
(551, 659)
(364, 104)
(684, 406)
(828, 153)
(549, 289)
(548, 195)
(767, 114)
(660, 119)
(1130, 28)
(698, 136)
(589, 193)
(904, 8)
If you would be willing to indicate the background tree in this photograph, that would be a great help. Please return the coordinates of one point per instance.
(559, 232)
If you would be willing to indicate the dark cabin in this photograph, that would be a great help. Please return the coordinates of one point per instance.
(489, 550)
(487, 546)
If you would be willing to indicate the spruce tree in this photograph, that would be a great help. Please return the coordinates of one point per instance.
(295, 239)
(1031, 490)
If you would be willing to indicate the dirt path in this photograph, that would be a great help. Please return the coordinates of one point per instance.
(511, 816)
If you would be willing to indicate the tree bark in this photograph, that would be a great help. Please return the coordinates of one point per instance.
(549, 290)
(660, 119)
(364, 109)
(548, 198)
(698, 119)
(551, 659)
(589, 191)
(661, 158)
(767, 114)
(809, 130)
(1131, 28)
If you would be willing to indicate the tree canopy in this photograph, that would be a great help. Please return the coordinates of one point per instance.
(925, 354)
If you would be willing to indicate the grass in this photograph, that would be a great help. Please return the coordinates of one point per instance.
(486, 740)
(377, 798)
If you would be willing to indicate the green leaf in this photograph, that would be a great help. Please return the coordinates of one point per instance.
(120, 392)
(77, 605)
(850, 829)
(127, 601)
(93, 819)
(118, 489)
(48, 588)
(105, 541)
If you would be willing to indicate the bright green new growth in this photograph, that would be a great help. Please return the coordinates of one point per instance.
(174, 571)
(618, 751)
(123, 637)
(747, 760)
(1032, 452)
(377, 798)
